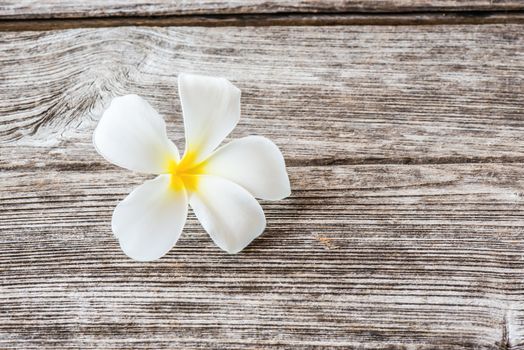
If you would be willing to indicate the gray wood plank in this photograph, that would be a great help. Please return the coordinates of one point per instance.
(346, 95)
(385, 242)
(367, 256)
(100, 8)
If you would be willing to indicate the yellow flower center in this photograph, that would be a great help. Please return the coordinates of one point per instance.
(185, 173)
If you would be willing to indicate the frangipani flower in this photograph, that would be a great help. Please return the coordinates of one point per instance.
(219, 184)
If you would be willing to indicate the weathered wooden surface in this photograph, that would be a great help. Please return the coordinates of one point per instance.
(367, 255)
(439, 94)
(103, 8)
(405, 228)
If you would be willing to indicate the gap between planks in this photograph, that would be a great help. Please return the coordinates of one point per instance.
(290, 163)
(261, 20)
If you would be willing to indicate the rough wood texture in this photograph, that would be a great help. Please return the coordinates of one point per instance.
(390, 239)
(103, 8)
(366, 94)
(366, 256)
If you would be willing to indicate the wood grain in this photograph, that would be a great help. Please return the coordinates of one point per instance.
(100, 8)
(346, 95)
(405, 228)
(366, 256)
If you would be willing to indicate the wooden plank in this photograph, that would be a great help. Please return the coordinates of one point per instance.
(100, 8)
(346, 95)
(384, 243)
(363, 256)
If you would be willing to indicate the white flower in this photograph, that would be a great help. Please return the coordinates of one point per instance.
(220, 185)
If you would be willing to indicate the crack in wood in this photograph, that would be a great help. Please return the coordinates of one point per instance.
(505, 341)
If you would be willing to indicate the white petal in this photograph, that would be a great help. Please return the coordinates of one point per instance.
(254, 163)
(230, 214)
(211, 108)
(131, 134)
(148, 222)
